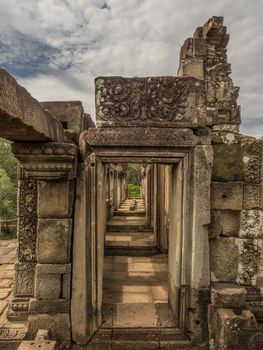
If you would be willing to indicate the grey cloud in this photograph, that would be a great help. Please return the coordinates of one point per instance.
(70, 42)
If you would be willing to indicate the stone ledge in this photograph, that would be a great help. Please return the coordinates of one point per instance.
(17, 107)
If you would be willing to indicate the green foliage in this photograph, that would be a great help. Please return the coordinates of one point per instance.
(134, 174)
(8, 181)
(133, 191)
(8, 161)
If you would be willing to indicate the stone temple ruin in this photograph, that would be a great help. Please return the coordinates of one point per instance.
(176, 268)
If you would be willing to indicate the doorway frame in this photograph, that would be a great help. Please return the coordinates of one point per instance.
(193, 267)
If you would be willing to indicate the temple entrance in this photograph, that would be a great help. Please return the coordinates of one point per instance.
(140, 254)
(135, 284)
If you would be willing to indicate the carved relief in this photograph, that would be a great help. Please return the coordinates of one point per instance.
(141, 100)
(47, 148)
(27, 219)
(24, 279)
(252, 196)
(249, 254)
(252, 160)
(27, 193)
(222, 94)
(12, 334)
(250, 224)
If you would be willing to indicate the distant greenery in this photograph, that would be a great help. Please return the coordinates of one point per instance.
(134, 174)
(133, 191)
(8, 186)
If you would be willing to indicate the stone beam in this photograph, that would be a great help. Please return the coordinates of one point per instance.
(140, 137)
(69, 113)
(23, 118)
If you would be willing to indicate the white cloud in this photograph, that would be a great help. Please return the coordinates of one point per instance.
(82, 39)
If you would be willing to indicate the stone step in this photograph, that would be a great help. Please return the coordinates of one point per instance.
(131, 250)
(130, 213)
(128, 227)
(139, 338)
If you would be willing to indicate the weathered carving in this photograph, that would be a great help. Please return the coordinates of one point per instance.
(12, 334)
(27, 219)
(47, 148)
(160, 101)
(27, 193)
(252, 196)
(24, 279)
(252, 149)
(250, 224)
(140, 137)
(249, 254)
(47, 160)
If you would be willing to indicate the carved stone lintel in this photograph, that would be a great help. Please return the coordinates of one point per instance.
(157, 101)
(47, 160)
(24, 279)
(140, 137)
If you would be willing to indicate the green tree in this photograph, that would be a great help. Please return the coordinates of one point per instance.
(8, 161)
(8, 181)
(134, 175)
(7, 196)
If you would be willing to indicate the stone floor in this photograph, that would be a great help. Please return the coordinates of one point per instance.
(135, 290)
(7, 260)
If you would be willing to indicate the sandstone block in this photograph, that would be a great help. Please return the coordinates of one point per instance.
(226, 328)
(53, 269)
(53, 242)
(249, 255)
(225, 138)
(66, 286)
(256, 341)
(225, 223)
(227, 195)
(58, 326)
(215, 226)
(49, 306)
(251, 150)
(38, 344)
(250, 224)
(228, 297)
(227, 163)
(17, 107)
(224, 255)
(55, 199)
(233, 128)
(47, 286)
(252, 196)
(230, 222)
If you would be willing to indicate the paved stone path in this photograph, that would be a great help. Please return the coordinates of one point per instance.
(135, 290)
(7, 261)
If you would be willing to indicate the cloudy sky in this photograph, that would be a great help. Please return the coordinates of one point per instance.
(55, 48)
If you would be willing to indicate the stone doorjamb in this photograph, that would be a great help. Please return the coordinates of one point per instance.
(194, 266)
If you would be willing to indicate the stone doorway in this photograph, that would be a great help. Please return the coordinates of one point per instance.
(166, 255)
(135, 283)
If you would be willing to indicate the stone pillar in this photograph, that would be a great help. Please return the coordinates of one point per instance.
(42, 282)
(195, 275)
